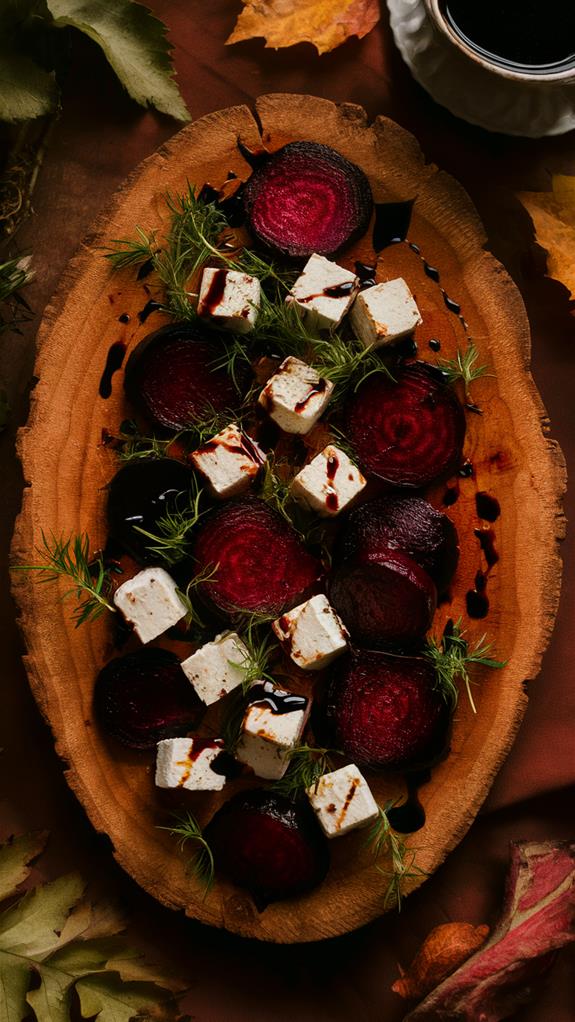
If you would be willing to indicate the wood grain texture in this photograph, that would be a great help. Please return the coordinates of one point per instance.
(67, 470)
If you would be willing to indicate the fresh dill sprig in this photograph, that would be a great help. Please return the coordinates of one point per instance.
(385, 841)
(261, 647)
(186, 828)
(463, 367)
(193, 616)
(15, 274)
(131, 445)
(452, 658)
(70, 558)
(133, 251)
(275, 491)
(307, 764)
(171, 541)
(231, 724)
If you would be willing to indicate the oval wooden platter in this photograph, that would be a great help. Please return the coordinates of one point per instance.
(67, 469)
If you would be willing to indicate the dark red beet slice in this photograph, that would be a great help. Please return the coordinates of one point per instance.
(385, 711)
(143, 697)
(383, 597)
(307, 198)
(262, 566)
(170, 376)
(268, 844)
(140, 494)
(408, 431)
(404, 523)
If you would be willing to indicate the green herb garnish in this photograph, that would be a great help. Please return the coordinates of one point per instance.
(307, 764)
(384, 841)
(70, 559)
(171, 541)
(463, 367)
(452, 658)
(186, 828)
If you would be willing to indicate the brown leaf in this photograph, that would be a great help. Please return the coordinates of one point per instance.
(553, 215)
(324, 23)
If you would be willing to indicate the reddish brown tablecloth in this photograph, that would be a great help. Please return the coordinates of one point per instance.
(100, 137)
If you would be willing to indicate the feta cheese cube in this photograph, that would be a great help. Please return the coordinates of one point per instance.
(329, 483)
(229, 462)
(272, 726)
(312, 633)
(230, 298)
(216, 668)
(150, 602)
(384, 313)
(342, 801)
(295, 396)
(189, 763)
(324, 292)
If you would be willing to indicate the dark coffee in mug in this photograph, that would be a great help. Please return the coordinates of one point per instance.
(529, 36)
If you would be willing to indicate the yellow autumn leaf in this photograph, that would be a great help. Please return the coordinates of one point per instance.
(325, 23)
(553, 215)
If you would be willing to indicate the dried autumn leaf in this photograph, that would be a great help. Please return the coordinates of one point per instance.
(553, 215)
(55, 944)
(324, 23)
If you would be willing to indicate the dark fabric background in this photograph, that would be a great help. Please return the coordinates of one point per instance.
(98, 140)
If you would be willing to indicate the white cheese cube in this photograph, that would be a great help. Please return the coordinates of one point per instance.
(230, 298)
(272, 726)
(329, 483)
(217, 667)
(295, 396)
(342, 801)
(150, 602)
(324, 292)
(229, 462)
(384, 313)
(189, 763)
(312, 633)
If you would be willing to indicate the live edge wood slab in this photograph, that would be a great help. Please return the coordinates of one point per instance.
(67, 469)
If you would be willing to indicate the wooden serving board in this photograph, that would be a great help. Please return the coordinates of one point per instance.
(67, 469)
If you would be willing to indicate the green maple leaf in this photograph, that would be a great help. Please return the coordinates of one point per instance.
(70, 947)
(134, 42)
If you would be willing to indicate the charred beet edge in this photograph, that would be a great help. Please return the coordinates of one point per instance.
(385, 712)
(408, 431)
(170, 376)
(269, 845)
(140, 494)
(409, 524)
(307, 198)
(383, 597)
(262, 566)
(143, 697)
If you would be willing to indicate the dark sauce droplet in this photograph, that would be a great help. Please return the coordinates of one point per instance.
(226, 766)
(145, 269)
(339, 290)
(477, 604)
(451, 495)
(406, 348)
(410, 816)
(214, 294)
(365, 273)
(392, 220)
(486, 539)
(450, 303)
(431, 271)
(276, 700)
(113, 363)
(124, 318)
(466, 470)
(149, 308)
(434, 344)
(317, 388)
(488, 507)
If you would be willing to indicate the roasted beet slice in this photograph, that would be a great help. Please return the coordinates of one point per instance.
(383, 597)
(170, 376)
(140, 494)
(268, 844)
(262, 566)
(143, 697)
(307, 198)
(404, 523)
(386, 712)
(408, 431)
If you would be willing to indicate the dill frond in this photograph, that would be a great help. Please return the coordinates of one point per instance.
(186, 828)
(70, 559)
(463, 367)
(452, 658)
(384, 841)
(307, 764)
